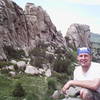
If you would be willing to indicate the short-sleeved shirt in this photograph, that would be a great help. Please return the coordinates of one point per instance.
(92, 73)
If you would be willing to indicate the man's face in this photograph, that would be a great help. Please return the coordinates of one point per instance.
(84, 59)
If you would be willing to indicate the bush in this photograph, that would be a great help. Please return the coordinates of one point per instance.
(61, 64)
(12, 53)
(51, 86)
(38, 55)
(4, 64)
(50, 58)
(52, 83)
(37, 52)
(64, 62)
(18, 91)
(37, 62)
(61, 77)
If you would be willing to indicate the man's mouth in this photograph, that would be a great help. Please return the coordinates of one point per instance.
(84, 61)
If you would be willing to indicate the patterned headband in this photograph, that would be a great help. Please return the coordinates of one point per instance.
(83, 50)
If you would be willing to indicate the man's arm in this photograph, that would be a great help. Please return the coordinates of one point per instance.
(90, 84)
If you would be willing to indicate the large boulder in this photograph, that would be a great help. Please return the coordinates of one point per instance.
(31, 70)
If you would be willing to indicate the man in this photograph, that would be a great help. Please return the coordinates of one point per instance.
(86, 76)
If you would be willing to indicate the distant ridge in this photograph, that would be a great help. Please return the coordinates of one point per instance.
(95, 37)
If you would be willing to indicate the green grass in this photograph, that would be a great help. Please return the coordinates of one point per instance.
(35, 87)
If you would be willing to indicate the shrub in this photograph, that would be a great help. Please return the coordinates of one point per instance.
(4, 71)
(12, 53)
(52, 83)
(51, 86)
(60, 51)
(50, 58)
(39, 50)
(61, 77)
(4, 64)
(38, 56)
(38, 62)
(18, 91)
(64, 62)
(61, 64)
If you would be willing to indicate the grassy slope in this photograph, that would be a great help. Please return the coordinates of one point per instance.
(36, 87)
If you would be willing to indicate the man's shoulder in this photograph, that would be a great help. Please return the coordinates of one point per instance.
(94, 64)
(77, 68)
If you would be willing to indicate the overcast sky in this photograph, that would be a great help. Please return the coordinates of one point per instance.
(65, 12)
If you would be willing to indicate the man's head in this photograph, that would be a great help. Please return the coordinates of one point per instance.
(84, 56)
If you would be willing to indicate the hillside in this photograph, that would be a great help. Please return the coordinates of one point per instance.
(95, 37)
(25, 87)
(95, 41)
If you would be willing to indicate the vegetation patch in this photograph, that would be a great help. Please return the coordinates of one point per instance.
(27, 87)
(13, 53)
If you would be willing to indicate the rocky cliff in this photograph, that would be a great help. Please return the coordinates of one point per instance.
(78, 35)
(23, 29)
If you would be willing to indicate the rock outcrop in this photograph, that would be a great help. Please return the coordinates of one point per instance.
(78, 35)
(23, 29)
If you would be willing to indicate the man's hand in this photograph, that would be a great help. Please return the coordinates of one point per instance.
(67, 86)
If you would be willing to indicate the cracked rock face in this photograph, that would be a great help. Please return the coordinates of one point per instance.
(22, 29)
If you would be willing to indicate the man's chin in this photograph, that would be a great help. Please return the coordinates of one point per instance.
(83, 64)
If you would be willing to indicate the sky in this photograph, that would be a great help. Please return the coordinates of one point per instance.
(63, 13)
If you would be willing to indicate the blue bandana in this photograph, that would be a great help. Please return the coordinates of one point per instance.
(83, 50)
